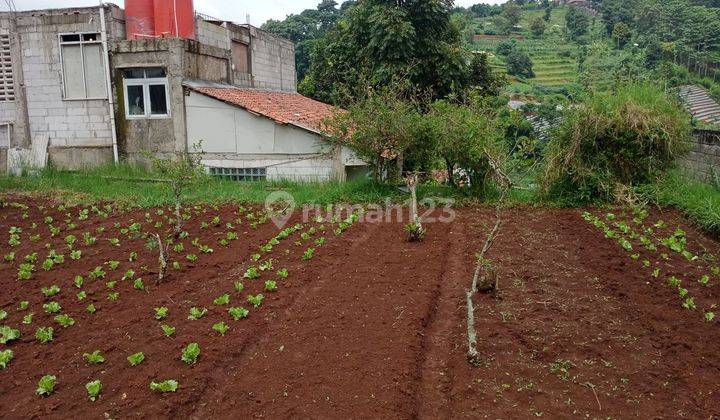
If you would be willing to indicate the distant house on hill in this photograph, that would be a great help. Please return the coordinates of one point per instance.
(91, 85)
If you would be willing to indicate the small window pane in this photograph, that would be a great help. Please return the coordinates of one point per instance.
(134, 74)
(71, 38)
(154, 72)
(91, 37)
(136, 100)
(94, 71)
(158, 100)
(72, 72)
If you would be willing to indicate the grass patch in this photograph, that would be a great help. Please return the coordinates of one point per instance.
(699, 201)
(134, 185)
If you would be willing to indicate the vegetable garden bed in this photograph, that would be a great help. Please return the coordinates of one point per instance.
(269, 322)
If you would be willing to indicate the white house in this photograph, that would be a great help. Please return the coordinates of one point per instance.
(261, 134)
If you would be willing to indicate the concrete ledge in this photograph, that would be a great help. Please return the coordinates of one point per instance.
(74, 158)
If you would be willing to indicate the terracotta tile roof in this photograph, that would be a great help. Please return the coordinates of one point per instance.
(282, 107)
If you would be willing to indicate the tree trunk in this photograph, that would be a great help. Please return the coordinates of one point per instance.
(451, 172)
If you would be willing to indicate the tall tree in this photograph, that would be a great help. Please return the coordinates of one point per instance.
(380, 40)
(577, 22)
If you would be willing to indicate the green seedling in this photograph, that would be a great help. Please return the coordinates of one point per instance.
(46, 386)
(238, 313)
(169, 385)
(94, 358)
(136, 359)
(191, 353)
(197, 313)
(44, 335)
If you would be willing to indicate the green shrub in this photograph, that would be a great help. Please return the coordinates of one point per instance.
(626, 137)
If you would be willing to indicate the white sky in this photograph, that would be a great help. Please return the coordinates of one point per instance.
(234, 10)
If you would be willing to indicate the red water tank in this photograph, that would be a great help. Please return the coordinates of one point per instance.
(139, 19)
(159, 19)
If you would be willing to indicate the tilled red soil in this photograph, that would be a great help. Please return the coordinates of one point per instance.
(373, 326)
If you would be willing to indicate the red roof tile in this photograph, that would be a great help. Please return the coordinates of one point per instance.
(282, 107)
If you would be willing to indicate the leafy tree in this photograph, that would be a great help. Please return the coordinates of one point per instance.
(463, 133)
(306, 28)
(506, 46)
(621, 34)
(485, 10)
(548, 13)
(482, 78)
(379, 40)
(614, 12)
(380, 128)
(503, 26)
(577, 23)
(537, 27)
(513, 13)
(519, 63)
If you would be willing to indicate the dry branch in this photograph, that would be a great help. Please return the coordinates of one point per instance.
(487, 280)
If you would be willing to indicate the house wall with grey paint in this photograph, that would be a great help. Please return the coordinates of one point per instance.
(235, 138)
(60, 89)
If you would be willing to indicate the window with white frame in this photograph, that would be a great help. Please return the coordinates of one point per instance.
(146, 93)
(83, 66)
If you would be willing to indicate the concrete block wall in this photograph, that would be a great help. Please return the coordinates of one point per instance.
(703, 161)
(181, 59)
(66, 123)
(211, 34)
(273, 62)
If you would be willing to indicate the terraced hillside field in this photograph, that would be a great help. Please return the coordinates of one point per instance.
(552, 55)
(553, 65)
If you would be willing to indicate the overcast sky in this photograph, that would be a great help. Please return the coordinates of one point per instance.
(234, 10)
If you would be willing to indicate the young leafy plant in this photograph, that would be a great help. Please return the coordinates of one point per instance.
(44, 335)
(168, 330)
(170, 385)
(138, 284)
(221, 328)
(136, 359)
(222, 300)
(239, 286)
(46, 386)
(308, 254)
(191, 353)
(161, 313)
(91, 309)
(52, 307)
(5, 357)
(252, 273)
(283, 273)
(93, 389)
(256, 301)
(64, 321)
(238, 313)
(94, 358)
(197, 313)
(8, 334)
(270, 286)
(51, 291)
(28, 319)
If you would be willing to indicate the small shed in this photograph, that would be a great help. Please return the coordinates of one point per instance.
(251, 134)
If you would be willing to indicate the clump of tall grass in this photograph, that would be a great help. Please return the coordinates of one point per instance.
(626, 137)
